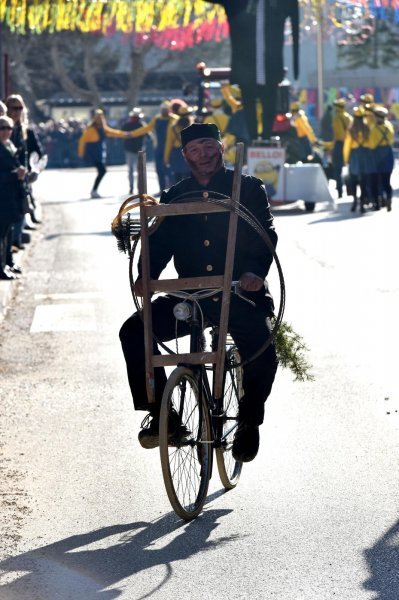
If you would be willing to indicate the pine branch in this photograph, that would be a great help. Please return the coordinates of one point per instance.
(291, 351)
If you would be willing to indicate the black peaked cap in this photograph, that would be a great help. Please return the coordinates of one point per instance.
(197, 131)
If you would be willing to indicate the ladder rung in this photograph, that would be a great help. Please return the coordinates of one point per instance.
(187, 283)
(184, 208)
(196, 358)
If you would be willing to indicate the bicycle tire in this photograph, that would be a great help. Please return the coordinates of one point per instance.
(186, 460)
(229, 468)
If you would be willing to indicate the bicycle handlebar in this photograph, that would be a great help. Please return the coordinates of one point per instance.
(208, 293)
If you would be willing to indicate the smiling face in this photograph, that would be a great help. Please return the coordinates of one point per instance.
(5, 129)
(204, 156)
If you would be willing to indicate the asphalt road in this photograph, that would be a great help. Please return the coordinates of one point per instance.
(85, 514)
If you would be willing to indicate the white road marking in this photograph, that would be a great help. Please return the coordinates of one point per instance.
(63, 317)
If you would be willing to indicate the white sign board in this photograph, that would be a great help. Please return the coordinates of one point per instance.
(267, 164)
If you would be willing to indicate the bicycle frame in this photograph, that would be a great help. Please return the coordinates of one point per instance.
(215, 405)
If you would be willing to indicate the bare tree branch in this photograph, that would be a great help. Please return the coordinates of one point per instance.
(91, 94)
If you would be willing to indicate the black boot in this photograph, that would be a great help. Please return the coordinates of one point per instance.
(376, 204)
(7, 275)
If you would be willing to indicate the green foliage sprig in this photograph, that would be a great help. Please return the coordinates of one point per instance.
(291, 352)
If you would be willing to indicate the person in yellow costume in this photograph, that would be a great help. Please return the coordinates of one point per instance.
(236, 130)
(173, 156)
(93, 149)
(232, 95)
(340, 123)
(305, 133)
(357, 157)
(368, 104)
(217, 115)
(382, 137)
(394, 110)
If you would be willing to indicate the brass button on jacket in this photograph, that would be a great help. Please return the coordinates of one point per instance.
(206, 242)
(209, 267)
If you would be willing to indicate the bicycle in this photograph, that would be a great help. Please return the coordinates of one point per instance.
(206, 422)
(207, 415)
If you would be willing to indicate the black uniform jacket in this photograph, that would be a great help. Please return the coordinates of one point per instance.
(11, 189)
(197, 243)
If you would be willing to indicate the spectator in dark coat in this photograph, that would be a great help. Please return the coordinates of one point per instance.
(11, 194)
(26, 141)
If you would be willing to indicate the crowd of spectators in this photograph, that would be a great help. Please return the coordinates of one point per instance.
(59, 139)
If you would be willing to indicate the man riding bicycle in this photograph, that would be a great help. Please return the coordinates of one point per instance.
(197, 244)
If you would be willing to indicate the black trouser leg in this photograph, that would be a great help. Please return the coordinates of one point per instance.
(249, 96)
(250, 328)
(132, 339)
(3, 246)
(385, 182)
(269, 103)
(338, 162)
(8, 248)
(267, 94)
(258, 375)
(101, 170)
(353, 181)
(373, 186)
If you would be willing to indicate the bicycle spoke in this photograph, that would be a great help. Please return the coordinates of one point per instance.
(229, 468)
(186, 463)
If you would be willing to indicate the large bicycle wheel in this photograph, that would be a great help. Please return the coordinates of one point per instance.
(185, 444)
(229, 468)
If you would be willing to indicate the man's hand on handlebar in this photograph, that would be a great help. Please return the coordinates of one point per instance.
(249, 282)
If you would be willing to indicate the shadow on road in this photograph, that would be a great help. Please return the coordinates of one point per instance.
(343, 213)
(54, 236)
(70, 568)
(383, 563)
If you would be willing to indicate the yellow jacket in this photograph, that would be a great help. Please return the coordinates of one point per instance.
(303, 127)
(340, 124)
(231, 101)
(220, 119)
(151, 125)
(352, 143)
(90, 136)
(173, 140)
(236, 105)
(382, 135)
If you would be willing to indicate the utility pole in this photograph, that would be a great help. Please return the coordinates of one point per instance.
(2, 90)
(320, 58)
(4, 74)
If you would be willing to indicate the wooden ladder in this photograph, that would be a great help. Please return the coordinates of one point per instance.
(199, 206)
